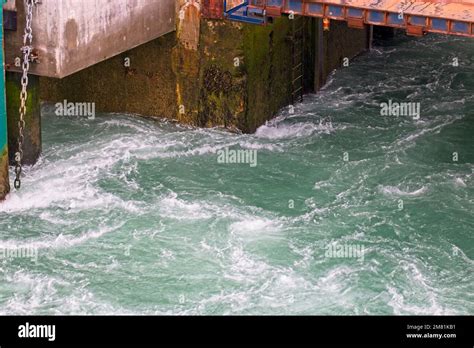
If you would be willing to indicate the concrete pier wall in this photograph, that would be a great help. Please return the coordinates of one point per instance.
(237, 77)
(71, 35)
(146, 87)
(341, 42)
(210, 72)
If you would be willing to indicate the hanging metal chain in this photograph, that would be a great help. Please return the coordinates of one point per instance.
(26, 50)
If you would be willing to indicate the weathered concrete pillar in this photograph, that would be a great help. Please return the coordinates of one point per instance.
(32, 132)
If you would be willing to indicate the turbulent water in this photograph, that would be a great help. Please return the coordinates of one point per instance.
(135, 216)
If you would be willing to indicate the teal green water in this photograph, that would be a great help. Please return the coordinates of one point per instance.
(132, 216)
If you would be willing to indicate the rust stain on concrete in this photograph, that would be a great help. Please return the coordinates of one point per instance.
(189, 25)
(71, 34)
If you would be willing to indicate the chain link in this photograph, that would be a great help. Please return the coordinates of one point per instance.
(26, 51)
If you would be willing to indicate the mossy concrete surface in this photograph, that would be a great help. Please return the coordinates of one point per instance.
(4, 181)
(32, 131)
(341, 42)
(222, 79)
(268, 68)
(138, 81)
(238, 78)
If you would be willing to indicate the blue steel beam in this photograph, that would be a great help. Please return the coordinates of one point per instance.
(241, 13)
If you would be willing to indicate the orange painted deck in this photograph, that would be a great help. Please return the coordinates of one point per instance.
(449, 9)
(454, 17)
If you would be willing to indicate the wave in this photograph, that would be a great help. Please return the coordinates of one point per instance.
(297, 130)
(57, 295)
(396, 191)
(59, 242)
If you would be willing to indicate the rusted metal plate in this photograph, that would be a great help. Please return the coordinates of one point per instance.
(213, 9)
(355, 23)
(273, 11)
(414, 30)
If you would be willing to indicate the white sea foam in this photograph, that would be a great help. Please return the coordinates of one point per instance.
(181, 210)
(60, 241)
(396, 191)
(255, 227)
(436, 129)
(297, 130)
(459, 182)
(401, 305)
(39, 293)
